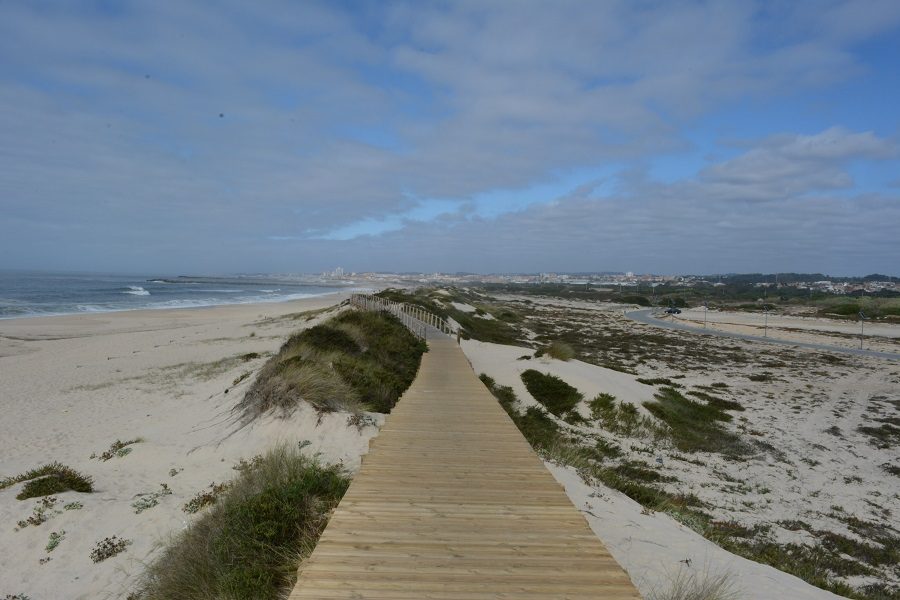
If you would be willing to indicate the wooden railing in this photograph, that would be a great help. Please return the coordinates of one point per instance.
(415, 318)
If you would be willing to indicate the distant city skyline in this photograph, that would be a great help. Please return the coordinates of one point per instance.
(465, 136)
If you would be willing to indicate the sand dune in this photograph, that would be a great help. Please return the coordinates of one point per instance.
(73, 385)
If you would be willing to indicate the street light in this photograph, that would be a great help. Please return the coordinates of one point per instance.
(705, 310)
(766, 327)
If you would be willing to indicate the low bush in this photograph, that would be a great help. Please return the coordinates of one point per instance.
(716, 401)
(537, 426)
(250, 542)
(555, 394)
(52, 478)
(560, 351)
(694, 426)
(117, 449)
(658, 381)
(621, 418)
(109, 547)
(354, 361)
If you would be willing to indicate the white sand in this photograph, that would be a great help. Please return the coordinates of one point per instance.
(654, 547)
(73, 385)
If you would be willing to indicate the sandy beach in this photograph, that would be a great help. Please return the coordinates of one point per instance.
(73, 385)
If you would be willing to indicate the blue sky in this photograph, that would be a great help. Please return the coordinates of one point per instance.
(457, 136)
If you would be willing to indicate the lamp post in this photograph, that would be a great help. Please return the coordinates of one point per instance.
(705, 310)
(766, 326)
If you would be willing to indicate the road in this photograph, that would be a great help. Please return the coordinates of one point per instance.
(647, 317)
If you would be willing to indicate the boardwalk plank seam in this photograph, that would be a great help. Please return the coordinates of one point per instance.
(451, 503)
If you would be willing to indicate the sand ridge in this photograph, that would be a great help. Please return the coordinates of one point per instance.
(72, 385)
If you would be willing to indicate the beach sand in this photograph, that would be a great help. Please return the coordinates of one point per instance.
(823, 470)
(72, 385)
(652, 546)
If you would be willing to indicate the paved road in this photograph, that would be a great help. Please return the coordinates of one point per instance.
(646, 316)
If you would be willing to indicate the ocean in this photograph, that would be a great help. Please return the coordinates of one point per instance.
(33, 294)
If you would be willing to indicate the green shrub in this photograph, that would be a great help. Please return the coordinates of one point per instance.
(251, 541)
(560, 351)
(551, 391)
(658, 381)
(52, 478)
(635, 299)
(539, 429)
(716, 402)
(602, 405)
(353, 361)
(694, 426)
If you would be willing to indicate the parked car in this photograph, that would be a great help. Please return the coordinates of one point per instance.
(673, 311)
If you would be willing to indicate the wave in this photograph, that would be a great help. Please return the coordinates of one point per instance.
(136, 290)
(7, 311)
(270, 291)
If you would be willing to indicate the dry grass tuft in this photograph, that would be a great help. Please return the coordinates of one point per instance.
(698, 586)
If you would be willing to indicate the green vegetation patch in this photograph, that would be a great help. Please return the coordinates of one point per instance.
(537, 426)
(117, 449)
(716, 401)
(352, 361)
(694, 426)
(555, 394)
(639, 471)
(621, 417)
(560, 351)
(52, 478)
(250, 542)
(658, 381)
(813, 564)
(502, 329)
(883, 436)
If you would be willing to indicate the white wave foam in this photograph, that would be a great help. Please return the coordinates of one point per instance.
(136, 290)
(270, 291)
(184, 303)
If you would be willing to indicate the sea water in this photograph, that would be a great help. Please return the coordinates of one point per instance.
(30, 294)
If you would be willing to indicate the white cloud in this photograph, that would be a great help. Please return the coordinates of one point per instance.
(110, 128)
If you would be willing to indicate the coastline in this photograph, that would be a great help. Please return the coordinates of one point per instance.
(74, 384)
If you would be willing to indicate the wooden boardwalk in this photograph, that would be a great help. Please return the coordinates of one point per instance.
(452, 503)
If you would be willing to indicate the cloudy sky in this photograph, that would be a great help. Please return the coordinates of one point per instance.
(234, 136)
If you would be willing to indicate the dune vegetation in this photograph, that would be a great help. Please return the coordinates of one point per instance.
(251, 541)
(52, 478)
(353, 362)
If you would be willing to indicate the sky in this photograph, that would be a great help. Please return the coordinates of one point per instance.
(486, 136)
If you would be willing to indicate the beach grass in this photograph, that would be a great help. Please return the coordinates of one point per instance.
(354, 361)
(695, 426)
(688, 585)
(250, 543)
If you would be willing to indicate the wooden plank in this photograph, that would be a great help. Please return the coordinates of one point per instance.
(451, 503)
